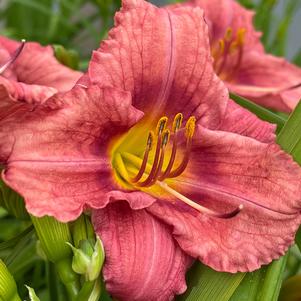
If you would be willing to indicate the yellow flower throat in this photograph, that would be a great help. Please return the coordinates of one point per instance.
(149, 160)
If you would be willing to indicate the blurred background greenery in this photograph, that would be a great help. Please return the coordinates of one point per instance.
(79, 26)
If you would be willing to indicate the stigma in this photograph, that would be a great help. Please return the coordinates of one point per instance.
(157, 165)
(13, 57)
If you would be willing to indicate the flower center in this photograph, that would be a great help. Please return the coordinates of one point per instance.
(228, 54)
(149, 160)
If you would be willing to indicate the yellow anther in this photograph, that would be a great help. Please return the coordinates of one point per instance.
(177, 122)
(165, 139)
(190, 127)
(150, 139)
(228, 34)
(240, 36)
(161, 125)
(221, 44)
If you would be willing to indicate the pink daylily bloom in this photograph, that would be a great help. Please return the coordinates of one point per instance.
(209, 184)
(31, 73)
(241, 61)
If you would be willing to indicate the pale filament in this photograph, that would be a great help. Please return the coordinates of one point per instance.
(12, 59)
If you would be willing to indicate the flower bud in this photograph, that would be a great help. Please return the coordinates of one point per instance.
(88, 259)
(32, 294)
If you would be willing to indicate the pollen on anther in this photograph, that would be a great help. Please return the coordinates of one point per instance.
(190, 127)
(161, 125)
(177, 122)
(228, 34)
(241, 33)
(165, 139)
(150, 139)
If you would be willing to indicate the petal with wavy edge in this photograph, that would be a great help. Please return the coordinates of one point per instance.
(227, 170)
(240, 121)
(268, 80)
(223, 14)
(149, 54)
(57, 154)
(37, 65)
(143, 261)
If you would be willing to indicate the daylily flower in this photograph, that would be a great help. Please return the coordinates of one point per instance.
(30, 72)
(240, 59)
(170, 167)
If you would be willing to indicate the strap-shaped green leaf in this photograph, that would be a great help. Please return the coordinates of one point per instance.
(290, 140)
(206, 284)
(259, 111)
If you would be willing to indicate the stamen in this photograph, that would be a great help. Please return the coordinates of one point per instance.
(150, 140)
(238, 45)
(161, 125)
(190, 128)
(228, 34)
(241, 34)
(12, 59)
(177, 122)
(199, 207)
(165, 139)
(152, 173)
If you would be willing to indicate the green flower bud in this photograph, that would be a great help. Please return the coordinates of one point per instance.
(82, 229)
(8, 287)
(32, 294)
(88, 259)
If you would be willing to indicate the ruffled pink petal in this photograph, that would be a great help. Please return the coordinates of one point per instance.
(268, 80)
(149, 54)
(290, 96)
(57, 153)
(240, 121)
(143, 261)
(223, 14)
(227, 170)
(13, 92)
(37, 65)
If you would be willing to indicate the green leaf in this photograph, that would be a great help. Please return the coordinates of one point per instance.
(290, 290)
(12, 202)
(53, 236)
(8, 288)
(13, 241)
(263, 284)
(290, 140)
(297, 58)
(208, 285)
(259, 111)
